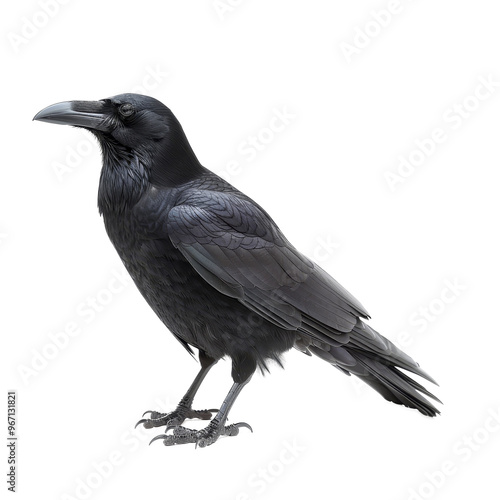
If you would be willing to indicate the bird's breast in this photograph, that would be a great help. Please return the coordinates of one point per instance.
(159, 270)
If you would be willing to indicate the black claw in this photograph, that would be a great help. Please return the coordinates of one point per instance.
(244, 424)
(161, 436)
(234, 429)
(140, 422)
(148, 411)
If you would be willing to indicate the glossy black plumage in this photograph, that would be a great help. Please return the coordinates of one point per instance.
(214, 266)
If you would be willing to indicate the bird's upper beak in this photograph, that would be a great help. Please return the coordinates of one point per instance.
(88, 114)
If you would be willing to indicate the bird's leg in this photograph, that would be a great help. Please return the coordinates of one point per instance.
(216, 428)
(183, 409)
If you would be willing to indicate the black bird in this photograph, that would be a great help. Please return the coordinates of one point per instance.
(217, 270)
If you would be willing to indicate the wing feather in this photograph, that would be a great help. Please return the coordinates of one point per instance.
(236, 247)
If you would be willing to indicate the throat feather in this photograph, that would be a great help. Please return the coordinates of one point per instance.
(121, 185)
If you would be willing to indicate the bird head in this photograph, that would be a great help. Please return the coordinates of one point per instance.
(132, 125)
(132, 120)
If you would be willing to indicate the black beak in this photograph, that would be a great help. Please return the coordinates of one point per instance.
(87, 114)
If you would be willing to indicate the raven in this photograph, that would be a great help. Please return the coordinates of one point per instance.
(218, 271)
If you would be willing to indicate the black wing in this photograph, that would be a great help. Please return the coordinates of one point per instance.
(237, 248)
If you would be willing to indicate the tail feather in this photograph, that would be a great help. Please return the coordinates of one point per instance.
(367, 339)
(393, 385)
(376, 361)
(416, 385)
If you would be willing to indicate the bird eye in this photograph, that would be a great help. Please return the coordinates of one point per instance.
(126, 109)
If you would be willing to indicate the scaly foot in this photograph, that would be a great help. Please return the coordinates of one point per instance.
(202, 438)
(174, 418)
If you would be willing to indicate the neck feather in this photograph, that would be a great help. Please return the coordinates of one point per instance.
(124, 178)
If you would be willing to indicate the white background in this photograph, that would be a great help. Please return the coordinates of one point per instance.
(323, 178)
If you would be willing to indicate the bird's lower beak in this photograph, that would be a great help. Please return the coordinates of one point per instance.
(87, 114)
